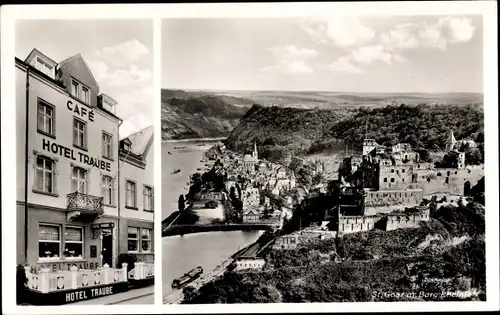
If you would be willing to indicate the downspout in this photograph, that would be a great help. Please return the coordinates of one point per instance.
(26, 158)
(118, 187)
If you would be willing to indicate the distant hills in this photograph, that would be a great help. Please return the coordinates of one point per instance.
(204, 114)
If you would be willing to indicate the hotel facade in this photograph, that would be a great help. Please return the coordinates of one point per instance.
(83, 195)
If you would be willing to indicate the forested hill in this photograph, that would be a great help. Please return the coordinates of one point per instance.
(422, 126)
(198, 115)
(279, 131)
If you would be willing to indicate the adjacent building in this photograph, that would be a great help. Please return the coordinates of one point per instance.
(72, 170)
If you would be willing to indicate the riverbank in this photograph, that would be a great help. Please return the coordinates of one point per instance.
(190, 229)
(193, 140)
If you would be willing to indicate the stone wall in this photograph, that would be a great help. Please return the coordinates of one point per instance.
(352, 224)
(450, 180)
(402, 221)
(383, 198)
(395, 176)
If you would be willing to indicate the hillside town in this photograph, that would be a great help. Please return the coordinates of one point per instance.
(380, 189)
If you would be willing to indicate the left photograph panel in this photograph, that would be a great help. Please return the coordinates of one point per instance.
(85, 169)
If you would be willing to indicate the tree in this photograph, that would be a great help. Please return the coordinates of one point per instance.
(181, 202)
(189, 293)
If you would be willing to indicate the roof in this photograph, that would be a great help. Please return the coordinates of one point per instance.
(79, 56)
(247, 158)
(140, 141)
(34, 50)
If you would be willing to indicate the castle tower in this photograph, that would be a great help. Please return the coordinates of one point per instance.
(369, 145)
(450, 143)
(461, 160)
(292, 180)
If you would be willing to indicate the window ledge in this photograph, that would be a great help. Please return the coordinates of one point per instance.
(80, 147)
(109, 206)
(108, 158)
(150, 211)
(46, 134)
(60, 259)
(45, 193)
(132, 208)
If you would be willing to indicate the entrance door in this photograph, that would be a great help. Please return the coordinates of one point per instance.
(107, 249)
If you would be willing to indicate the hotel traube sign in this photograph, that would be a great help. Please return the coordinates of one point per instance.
(69, 153)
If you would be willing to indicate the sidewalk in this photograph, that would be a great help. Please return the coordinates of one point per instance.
(121, 297)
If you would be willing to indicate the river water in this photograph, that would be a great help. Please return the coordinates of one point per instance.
(183, 253)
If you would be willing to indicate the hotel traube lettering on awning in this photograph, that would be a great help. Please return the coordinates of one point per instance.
(79, 156)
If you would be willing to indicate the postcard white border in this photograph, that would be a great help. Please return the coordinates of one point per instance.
(271, 10)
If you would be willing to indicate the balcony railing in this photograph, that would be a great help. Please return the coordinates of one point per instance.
(78, 201)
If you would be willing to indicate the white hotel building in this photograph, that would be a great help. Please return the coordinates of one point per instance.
(83, 196)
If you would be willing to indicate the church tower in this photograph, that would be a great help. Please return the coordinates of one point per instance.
(255, 153)
(450, 143)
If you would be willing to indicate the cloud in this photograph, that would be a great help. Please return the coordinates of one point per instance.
(124, 53)
(289, 67)
(291, 60)
(343, 31)
(344, 64)
(121, 73)
(293, 52)
(368, 54)
(457, 29)
(439, 35)
(133, 124)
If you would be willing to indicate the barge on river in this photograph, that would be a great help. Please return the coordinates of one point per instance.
(187, 277)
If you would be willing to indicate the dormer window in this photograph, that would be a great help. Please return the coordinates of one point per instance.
(85, 95)
(44, 67)
(75, 89)
(126, 147)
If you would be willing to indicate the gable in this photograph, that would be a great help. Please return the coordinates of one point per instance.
(81, 70)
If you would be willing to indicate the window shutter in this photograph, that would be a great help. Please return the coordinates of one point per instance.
(54, 176)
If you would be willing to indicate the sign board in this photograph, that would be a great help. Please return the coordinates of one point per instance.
(93, 251)
(100, 226)
(75, 295)
(65, 265)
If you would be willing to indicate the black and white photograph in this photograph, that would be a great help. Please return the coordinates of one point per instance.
(85, 184)
(323, 159)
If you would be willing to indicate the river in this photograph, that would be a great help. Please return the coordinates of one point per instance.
(183, 253)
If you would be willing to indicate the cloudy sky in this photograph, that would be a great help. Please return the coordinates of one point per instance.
(118, 52)
(353, 54)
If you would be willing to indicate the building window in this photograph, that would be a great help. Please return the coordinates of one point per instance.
(43, 67)
(49, 241)
(130, 194)
(79, 180)
(85, 95)
(385, 179)
(45, 174)
(79, 134)
(107, 190)
(46, 121)
(73, 242)
(75, 89)
(392, 170)
(133, 239)
(392, 180)
(447, 173)
(403, 170)
(148, 198)
(146, 240)
(107, 140)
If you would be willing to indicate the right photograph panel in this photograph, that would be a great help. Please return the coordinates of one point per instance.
(322, 160)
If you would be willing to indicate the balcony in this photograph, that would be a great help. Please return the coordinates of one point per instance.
(83, 206)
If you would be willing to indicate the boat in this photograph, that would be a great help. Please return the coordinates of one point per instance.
(177, 148)
(169, 153)
(176, 171)
(187, 277)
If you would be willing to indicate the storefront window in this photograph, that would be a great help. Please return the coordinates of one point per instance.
(133, 239)
(146, 240)
(73, 242)
(49, 241)
(44, 174)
